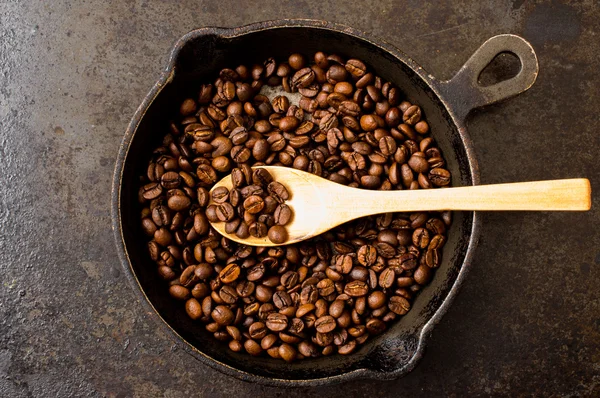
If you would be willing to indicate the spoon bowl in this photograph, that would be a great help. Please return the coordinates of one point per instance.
(307, 200)
(319, 204)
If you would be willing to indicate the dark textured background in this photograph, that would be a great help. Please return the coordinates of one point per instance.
(527, 320)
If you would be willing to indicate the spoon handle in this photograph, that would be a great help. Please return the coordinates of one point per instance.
(569, 194)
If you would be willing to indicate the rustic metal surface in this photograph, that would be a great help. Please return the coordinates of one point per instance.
(403, 345)
(71, 76)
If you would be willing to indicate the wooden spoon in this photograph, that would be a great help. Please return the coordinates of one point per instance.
(319, 204)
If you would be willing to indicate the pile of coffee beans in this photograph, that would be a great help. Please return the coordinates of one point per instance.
(255, 206)
(325, 295)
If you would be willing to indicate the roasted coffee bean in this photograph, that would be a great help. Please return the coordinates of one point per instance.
(343, 264)
(162, 236)
(387, 278)
(418, 162)
(336, 308)
(258, 330)
(166, 273)
(256, 272)
(307, 349)
(254, 204)
(405, 281)
(399, 305)
(234, 333)
(188, 277)
(347, 348)
(326, 287)
(252, 347)
(277, 322)
(340, 336)
(283, 214)
(412, 115)
(222, 315)
(267, 219)
(320, 308)
(188, 107)
(228, 295)
(420, 238)
(407, 261)
(245, 288)
(237, 178)
(281, 103)
(289, 338)
(277, 234)
(170, 180)
(422, 274)
(225, 212)
(368, 122)
(278, 191)
(349, 108)
(220, 194)
(439, 177)
(179, 202)
(303, 78)
(257, 229)
(309, 294)
(203, 196)
(385, 249)
(161, 216)
(179, 292)
(261, 177)
(304, 309)
(436, 226)
(336, 73)
(273, 352)
(377, 299)
(393, 117)
(286, 124)
(230, 273)
(432, 257)
(325, 324)
(387, 145)
(263, 294)
(235, 346)
(359, 274)
(356, 289)
(206, 174)
(323, 295)
(422, 127)
(232, 226)
(252, 190)
(370, 181)
(203, 271)
(270, 205)
(356, 67)
(297, 325)
(193, 309)
(289, 279)
(282, 299)
(287, 352)
(268, 341)
(148, 226)
(367, 255)
(418, 219)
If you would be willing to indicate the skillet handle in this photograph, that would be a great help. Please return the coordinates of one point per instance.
(463, 92)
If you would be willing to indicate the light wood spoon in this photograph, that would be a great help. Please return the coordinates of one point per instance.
(320, 205)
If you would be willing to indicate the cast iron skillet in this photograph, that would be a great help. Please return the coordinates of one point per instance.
(197, 57)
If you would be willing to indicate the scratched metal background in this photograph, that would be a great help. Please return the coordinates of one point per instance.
(527, 321)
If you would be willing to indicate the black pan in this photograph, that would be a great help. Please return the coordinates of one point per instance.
(196, 57)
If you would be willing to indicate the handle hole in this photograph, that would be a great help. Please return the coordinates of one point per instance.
(504, 66)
